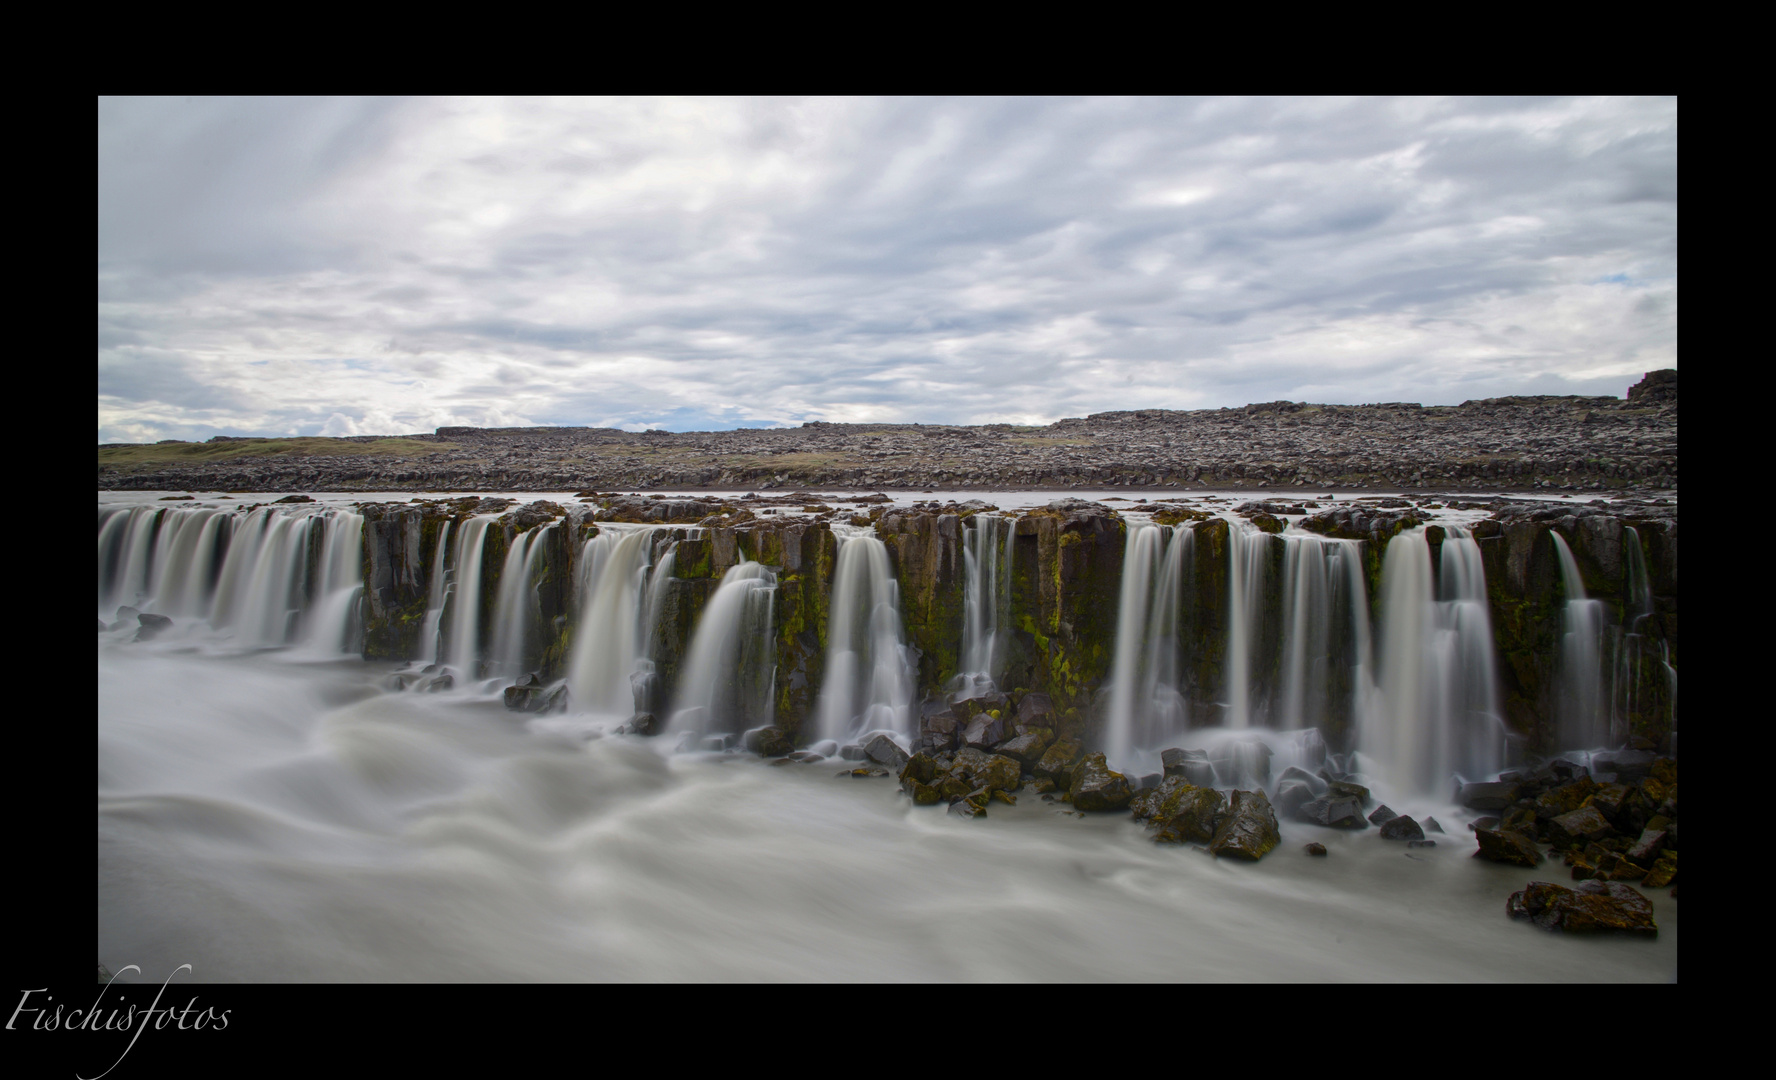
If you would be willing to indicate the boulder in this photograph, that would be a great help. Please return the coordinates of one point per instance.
(1057, 763)
(1036, 710)
(1628, 765)
(1316, 849)
(1027, 746)
(920, 768)
(126, 616)
(151, 625)
(1192, 765)
(994, 772)
(938, 727)
(1292, 795)
(1336, 812)
(1349, 789)
(1507, 846)
(438, 683)
(1564, 798)
(963, 808)
(1196, 816)
(1248, 829)
(1593, 907)
(1646, 850)
(1491, 796)
(984, 732)
(1484, 823)
(1401, 827)
(1094, 786)
(1380, 814)
(1577, 827)
(851, 752)
(1430, 825)
(1663, 872)
(1314, 783)
(768, 742)
(885, 750)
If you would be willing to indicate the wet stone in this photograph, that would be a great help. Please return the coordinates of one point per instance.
(1316, 849)
(1380, 814)
(1507, 846)
(1401, 827)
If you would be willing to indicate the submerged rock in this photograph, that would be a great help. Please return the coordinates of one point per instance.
(1336, 812)
(1401, 827)
(1592, 907)
(768, 742)
(1192, 765)
(1249, 828)
(151, 625)
(1316, 849)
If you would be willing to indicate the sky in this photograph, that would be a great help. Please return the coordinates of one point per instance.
(387, 266)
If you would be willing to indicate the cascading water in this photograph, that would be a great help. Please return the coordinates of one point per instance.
(1326, 665)
(463, 612)
(609, 640)
(517, 610)
(868, 685)
(986, 603)
(1581, 715)
(730, 670)
(1435, 715)
(1146, 708)
(1248, 552)
(270, 577)
(437, 590)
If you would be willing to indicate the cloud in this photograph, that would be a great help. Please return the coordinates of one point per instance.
(295, 266)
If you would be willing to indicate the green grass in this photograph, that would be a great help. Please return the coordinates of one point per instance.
(140, 455)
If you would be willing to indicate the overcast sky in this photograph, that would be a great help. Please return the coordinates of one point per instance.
(340, 267)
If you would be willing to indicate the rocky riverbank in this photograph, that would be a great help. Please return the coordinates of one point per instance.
(1505, 444)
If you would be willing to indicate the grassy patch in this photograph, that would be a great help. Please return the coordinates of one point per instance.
(140, 455)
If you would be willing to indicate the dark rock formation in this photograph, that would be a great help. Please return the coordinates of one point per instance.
(1594, 907)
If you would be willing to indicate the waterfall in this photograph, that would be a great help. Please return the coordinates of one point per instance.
(1436, 713)
(609, 640)
(269, 577)
(429, 642)
(986, 601)
(868, 685)
(1325, 663)
(730, 670)
(1247, 550)
(1467, 670)
(517, 609)
(1581, 716)
(658, 582)
(1146, 708)
(465, 602)
(339, 595)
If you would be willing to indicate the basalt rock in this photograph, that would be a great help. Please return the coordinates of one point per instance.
(1249, 828)
(1577, 827)
(1057, 762)
(1093, 786)
(1401, 828)
(1381, 814)
(1507, 846)
(1334, 811)
(1192, 765)
(1195, 817)
(768, 742)
(1593, 907)
(1029, 746)
(885, 750)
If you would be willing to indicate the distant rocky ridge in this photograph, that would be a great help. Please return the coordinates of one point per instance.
(1506, 444)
